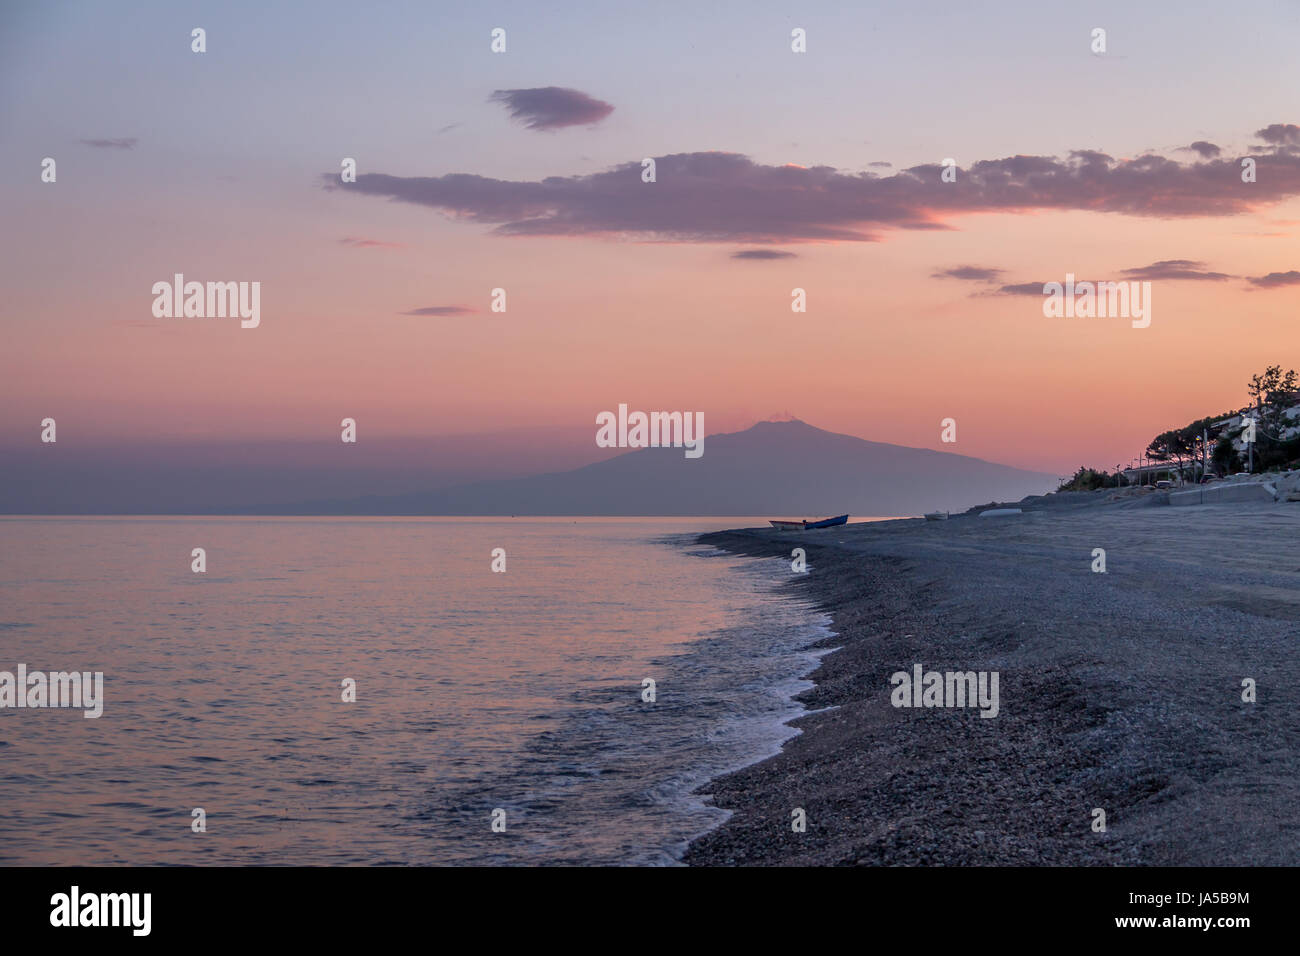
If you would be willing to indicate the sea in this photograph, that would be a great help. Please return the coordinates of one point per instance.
(370, 691)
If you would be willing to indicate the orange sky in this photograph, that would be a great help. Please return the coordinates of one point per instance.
(885, 351)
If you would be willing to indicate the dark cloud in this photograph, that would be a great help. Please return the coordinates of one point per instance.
(126, 143)
(1024, 288)
(727, 197)
(1280, 134)
(1176, 269)
(881, 165)
(552, 107)
(762, 254)
(969, 273)
(1207, 150)
(369, 243)
(442, 310)
(1275, 279)
(1091, 157)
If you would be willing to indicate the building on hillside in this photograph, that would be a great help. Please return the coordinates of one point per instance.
(1148, 471)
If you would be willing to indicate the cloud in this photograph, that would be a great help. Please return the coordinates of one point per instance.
(1207, 150)
(762, 254)
(1167, 269)
(1176, 269)
(442, 310)
(125, 143)
(728, 197)
(1280, 134)
(552, 107)
(369, 243)
(1024, 288)
(1276, 279)
(969, 273)
(449, 127)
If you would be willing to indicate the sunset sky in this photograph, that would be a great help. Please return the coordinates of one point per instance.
(375, 300)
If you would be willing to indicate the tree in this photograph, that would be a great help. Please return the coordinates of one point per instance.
(1199, 438)
(1273, 391)
(1171, 446)
(1085, 479)
(1225, 459)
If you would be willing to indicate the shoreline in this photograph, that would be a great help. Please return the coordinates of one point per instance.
(1120, 691)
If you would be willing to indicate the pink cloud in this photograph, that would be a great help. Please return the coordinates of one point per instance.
(369, 243)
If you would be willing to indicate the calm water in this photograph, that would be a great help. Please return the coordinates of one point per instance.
(475, 690)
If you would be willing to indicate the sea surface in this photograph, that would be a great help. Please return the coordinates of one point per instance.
(476, 691)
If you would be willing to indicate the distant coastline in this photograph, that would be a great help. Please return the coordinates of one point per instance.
(789, 466)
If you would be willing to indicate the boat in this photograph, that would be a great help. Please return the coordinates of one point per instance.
(936, 516)
(828, 522)
(1000, 512)
(807, 525)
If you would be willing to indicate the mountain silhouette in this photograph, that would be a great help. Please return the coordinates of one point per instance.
(785, 468)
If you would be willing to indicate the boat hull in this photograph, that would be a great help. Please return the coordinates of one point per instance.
(829, 522)
(1000, 512)
(807, 525)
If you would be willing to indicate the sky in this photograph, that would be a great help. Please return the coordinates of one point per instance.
(521, 170)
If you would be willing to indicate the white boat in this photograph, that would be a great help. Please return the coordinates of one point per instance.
(999, 512)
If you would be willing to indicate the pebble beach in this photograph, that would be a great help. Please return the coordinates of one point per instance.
(1120, 691)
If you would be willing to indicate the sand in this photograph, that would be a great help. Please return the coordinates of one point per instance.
(1120, 691)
